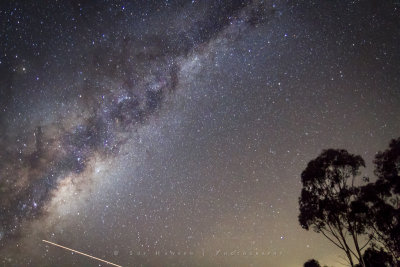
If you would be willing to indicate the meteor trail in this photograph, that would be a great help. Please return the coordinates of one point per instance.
(57, 245)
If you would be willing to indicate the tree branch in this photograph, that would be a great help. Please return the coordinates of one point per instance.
(330, 239)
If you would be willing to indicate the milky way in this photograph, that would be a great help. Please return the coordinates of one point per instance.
(124, 83)
(183, 126)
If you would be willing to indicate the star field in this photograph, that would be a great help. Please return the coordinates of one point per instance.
(173, 133)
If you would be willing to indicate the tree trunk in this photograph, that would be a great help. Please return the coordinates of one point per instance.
(348, 251)
(361, 260)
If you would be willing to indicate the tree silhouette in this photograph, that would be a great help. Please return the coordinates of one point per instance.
(326, 200)
(382, 199)
(312, 263)
(377, 258)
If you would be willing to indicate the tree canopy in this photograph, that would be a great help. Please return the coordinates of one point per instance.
(350, 212)
(325, 201)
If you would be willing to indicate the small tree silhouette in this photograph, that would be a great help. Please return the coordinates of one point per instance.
(312, 263)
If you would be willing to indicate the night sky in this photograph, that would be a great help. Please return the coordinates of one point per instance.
(131, 130)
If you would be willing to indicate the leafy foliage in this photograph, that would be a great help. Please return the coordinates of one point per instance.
(327, 193)
(377, 258)
(382, 199)
(327, 196)
(332, 204)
